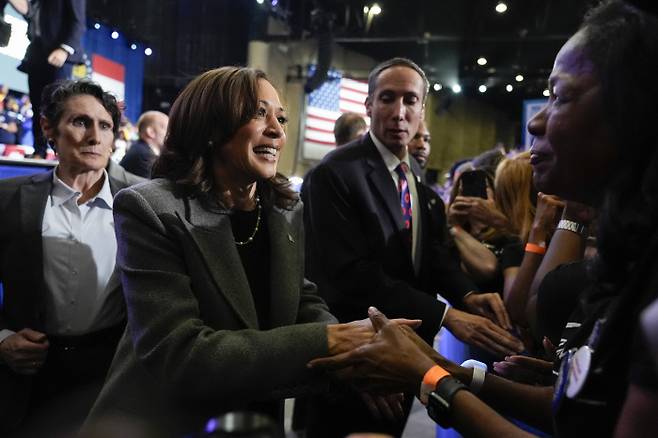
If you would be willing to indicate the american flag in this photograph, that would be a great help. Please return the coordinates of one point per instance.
(335, 96)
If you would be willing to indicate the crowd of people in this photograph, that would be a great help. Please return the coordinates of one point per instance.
(147, 294)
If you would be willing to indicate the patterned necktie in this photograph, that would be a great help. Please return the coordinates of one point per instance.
(405, 195)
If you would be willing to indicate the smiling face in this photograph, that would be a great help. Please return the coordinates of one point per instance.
(83, 135)
(419, 146)
(395, 107)
(254, 150)
(572, 155)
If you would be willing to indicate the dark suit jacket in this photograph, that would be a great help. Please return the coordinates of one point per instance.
(358, 255)
(193, 348)
(60, 22)
(22, 202)
(139, 159)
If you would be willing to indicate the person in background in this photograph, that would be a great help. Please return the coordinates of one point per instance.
(141, 155)
(348, 127)
(11, 121)
(379, 238)
(62, 311)
(419, 147)
(55, 30)
(591, 148)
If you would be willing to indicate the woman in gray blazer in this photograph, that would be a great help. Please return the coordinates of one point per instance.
(220, 316)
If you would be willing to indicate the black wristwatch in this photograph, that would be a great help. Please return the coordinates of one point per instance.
(440, 400)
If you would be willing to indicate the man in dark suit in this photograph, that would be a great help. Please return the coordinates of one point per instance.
(55, 30)
(152, 128)
(379, 239)
(62, 311)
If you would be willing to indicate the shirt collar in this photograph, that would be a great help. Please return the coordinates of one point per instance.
(389, 157)
(62, 192)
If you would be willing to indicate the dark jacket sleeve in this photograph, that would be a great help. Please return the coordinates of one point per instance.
(77, 23)
(352, 269)
(442, 265)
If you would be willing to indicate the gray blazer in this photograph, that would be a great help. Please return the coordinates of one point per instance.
(22, 204)
(192, 347)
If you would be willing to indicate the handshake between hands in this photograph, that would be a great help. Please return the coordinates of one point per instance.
(381, 358)
(385, 358)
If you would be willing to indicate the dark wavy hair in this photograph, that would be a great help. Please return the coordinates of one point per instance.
(204, 117)
(621, 40)
(55, 95)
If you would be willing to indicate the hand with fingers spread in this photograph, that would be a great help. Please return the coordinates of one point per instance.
(481, 332)
(489, 305)
(24, 352)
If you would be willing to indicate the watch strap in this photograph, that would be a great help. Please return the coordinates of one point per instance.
(572, 226)
(440, 400)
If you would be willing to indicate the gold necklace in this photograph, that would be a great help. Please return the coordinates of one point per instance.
(253, 234)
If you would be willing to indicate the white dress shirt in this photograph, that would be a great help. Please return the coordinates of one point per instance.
(79, 255)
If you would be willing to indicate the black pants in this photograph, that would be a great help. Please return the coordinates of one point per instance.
(37, 79)
(337, 416)
(65, 388)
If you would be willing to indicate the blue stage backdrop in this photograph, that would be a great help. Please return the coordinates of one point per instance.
(125, 77)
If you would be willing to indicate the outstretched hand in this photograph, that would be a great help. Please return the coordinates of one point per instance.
(346, 337)
(390, 361)
(482, 333)
(489, 305)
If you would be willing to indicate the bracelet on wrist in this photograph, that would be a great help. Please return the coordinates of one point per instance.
(536, 248)
(431, 378)
(572, 226)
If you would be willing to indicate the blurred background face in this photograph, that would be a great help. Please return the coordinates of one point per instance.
(253, 152)
(83, 135)
(572, 154)
(419, 147)
(395, 107)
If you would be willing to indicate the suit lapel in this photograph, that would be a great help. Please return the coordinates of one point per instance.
(215, 242)
(284, 270)
(33, 198)
(382, 183)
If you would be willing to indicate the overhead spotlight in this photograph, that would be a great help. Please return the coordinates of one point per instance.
(437, 87)
(275, 3)
(97, 26)
(456, 88)
(133, 46)
(366, 9)
(114, 35)
(518, 78)
(375, 10)
(260, 2)
(501, 7)
(546, 93)
(482, 60)
(148, 51)
(509, 88)
(482, 88)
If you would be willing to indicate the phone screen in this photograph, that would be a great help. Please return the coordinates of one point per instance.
(474, 183)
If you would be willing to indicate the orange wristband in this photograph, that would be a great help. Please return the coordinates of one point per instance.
(536, 249)
(431, 378)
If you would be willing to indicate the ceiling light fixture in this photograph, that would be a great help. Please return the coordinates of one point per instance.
(482, 88)
(501, 7)
(115, 35)
(482, 60)
(437, 87)
(518, 78)
(148, 51)
(546, 93)
(375, 9)
(509, 88)
(456, 88)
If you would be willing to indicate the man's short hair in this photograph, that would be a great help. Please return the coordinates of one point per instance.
(145, 120)
(347, 127)
(396, 62)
